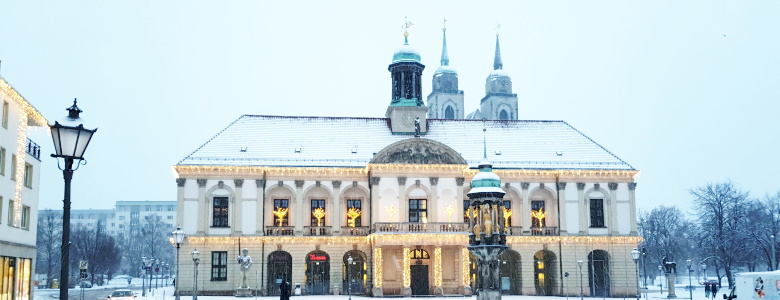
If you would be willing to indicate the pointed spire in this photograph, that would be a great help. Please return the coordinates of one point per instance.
(497, 64)
(445, 57)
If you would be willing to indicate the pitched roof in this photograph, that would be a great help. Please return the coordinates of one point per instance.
(285, 141)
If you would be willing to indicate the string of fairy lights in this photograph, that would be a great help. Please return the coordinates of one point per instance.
(407, 272)
(26, 113)
(378, 267)
(437, 278)
(465, 266)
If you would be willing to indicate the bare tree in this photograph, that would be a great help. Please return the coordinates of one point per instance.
(150, 239)
(765, 217)
(49, 239)
(721, 210)
(666, 234)
(98, 248)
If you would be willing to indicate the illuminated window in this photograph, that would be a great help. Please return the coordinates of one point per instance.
(282, 204)
(508, 206)
(539, 212)
(219, 266)
(317, 203)
(220, 208)
(466, 206)
(355, 203)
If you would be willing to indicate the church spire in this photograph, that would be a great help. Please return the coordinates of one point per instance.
(497, 64)
(445, 57)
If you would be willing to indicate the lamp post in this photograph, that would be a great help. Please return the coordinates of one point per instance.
(143, 276)
(349, 282)
(582, 292)
(149, 270)
(690, 285)
(661, 278)
(704, 271)
(635, 256)
(773, 258)
(70, 141)
(644, 270)
(196, 260)
(178, 238)
(157, 270)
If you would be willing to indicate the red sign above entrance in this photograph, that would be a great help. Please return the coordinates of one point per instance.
(315, 257)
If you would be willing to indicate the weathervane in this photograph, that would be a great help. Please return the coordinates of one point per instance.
(444, 25)
(406, 26)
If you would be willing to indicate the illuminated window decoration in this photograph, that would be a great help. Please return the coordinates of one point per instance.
(318, 213)
(507, 215)
(539, 215)
(437, 279)
(378, 267)
(419, 254)
(352, 214)
(280, 214)
(449, 210)
(407, 274)
(465, 265)
(21, 151)
(391, 210)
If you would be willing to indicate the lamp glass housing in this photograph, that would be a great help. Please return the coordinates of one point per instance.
(178, 235)
(635, 254)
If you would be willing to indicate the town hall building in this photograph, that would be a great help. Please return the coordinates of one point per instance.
(391, 197)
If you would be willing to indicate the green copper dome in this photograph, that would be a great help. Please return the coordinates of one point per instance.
(406, 53)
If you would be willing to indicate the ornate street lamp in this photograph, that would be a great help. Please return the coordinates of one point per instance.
(661, 278)
(704, 271)
(149, 270)
(635, 256)
(143, 276)
(70, 142)
(349, 266)
(178, 238)
(196, 260)
(582, 291)
(157, 270)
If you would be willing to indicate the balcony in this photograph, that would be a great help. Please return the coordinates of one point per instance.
(514, 231)
(408, 227)
(544, 231)
(354, 231)
(280, 231)
(317, 230)
(33, 149)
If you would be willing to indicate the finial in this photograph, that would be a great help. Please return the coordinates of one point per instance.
(73, 111)
(406, 26)
(445, 58)
(484, 142)
(498, 27)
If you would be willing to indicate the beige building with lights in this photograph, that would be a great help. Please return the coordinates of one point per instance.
(305, 194)
(20, 165)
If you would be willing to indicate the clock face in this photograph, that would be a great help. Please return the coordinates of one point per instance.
(408, 119)
(503, 83)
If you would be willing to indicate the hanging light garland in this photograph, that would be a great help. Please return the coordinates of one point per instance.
(378, 267)
(437, 278)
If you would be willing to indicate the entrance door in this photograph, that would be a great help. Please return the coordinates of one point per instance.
(419, 279)
(317, 273)
(279, 269)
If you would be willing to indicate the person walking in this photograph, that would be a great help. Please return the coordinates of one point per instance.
(285, 291)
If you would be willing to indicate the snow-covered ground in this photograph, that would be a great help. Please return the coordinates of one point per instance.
(166, 293)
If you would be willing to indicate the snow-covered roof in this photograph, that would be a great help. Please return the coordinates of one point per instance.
(285, 141)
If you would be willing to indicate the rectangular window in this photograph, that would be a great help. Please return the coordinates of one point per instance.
(1, 209)
(315, 204)
(2, 161)
(418, 210)
(170, 217)
(13, 167)
(597, 213)
(466, 205)
(219, 266)
(159, 208)
(538, 214)
(148, 208)
(10, 212)
(507, 206)
(220, 212)
(6, 108)
(25, 217)
(121, 218)
(28, 175)
(280, 205)
(355, 205)
(170, 208)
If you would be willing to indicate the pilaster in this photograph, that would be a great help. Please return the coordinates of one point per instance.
(632, 204)
(583, 207)
(403, 208)
(203, 218)
(238, 208)
(335, 216)
(526, 211)
(459, 204)
(434, 212)
(613, 230)
(180, 182)
(562, 229)
(260, 227)
(298, 213)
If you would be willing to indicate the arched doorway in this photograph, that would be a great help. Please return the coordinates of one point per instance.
(598, 273)
(510, 272)
(317, 273)
(544, 272)
(356, 272)
(419, 271)
(279, 269)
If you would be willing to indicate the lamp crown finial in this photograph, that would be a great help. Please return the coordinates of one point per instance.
(73, 111)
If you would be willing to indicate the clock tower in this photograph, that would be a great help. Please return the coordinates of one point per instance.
(499, 102)
(406, 110)
(445, 101)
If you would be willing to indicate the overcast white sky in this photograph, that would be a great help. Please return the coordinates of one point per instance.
(685, 91)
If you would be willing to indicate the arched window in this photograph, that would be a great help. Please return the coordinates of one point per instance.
(449, 113)
(503, 115)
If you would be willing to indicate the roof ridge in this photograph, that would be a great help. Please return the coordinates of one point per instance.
(600, 146)
(311, 117)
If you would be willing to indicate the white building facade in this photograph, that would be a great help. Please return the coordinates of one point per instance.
(305, 194)
(20, 167)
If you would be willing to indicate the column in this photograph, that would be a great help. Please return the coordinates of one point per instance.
(434, 207)
(336, 219)
(562, 208)
(632, 204)
(459, 203)
(583, 207)
(525, 212)
(403, 207)
(260, 185)
(203, 217)
(180, 182)
(613, 225)
(373, 186)
(238, 208)
(298, 213)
